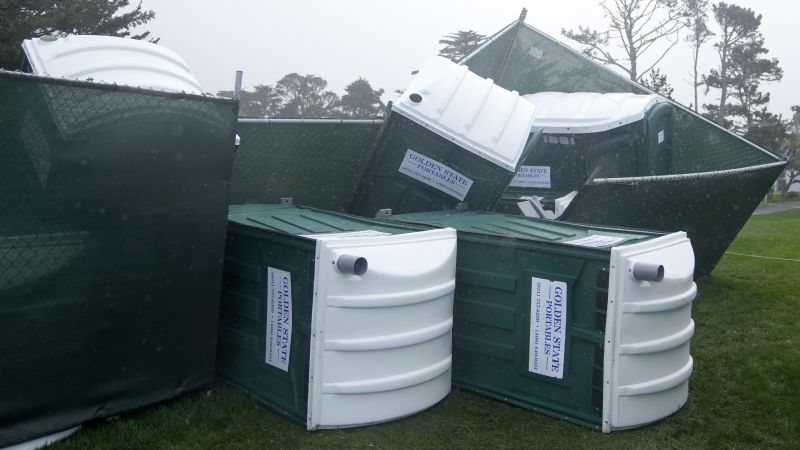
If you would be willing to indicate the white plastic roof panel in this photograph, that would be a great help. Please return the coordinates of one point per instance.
(648, 328)
(475, 113)
(110, 59)
(588, 112)
(381, 344)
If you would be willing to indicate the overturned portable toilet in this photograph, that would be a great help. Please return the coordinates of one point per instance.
(588, 324)
(452, 138)
(591, 135)
(112, 228)
(334, 320)
(709, 185)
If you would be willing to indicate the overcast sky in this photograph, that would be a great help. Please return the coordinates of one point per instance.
(341, 40)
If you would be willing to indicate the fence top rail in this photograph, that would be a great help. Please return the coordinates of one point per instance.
(300, 121)
(98, 85)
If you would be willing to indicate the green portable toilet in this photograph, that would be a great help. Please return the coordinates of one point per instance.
(589, 135)
(334, 320)
(588, 324)
(715, 179)
(452, 137)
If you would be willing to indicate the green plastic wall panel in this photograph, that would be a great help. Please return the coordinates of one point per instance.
(383, 186)
(315, 162)
(113, 206)
(573, 158)
(711, 208)
(523, 228)
(627, 151)
(262, 236)
(303, 220)
(658, 140)
(497, 257)
(242, 329)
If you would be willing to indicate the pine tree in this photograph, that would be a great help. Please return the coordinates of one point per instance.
(657, 82)
(24, 19)
(304, 96)
(742, 68)
(460, 44)
(361, 101)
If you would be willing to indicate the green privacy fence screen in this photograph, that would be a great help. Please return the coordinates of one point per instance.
(113, 209)
(317, 162)
(523, 59)
(711, 207)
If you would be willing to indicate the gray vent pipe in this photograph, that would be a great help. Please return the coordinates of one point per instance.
(643, 271)
(351, 264)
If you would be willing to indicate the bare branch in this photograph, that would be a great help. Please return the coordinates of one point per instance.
(660, 58)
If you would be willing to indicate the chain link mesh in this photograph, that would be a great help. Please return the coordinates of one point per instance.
(315, 162)
(537, 63)
(112, 227)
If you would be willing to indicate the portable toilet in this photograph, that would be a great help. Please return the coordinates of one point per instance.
(109, 59)
(334, 320)
(589, 135)
(588, 324)
(452, 137)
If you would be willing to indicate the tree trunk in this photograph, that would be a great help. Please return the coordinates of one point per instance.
(723, 96)
(695, 84)
(631, 51)
(794, 178)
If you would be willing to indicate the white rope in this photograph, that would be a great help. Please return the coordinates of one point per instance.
(763, 257)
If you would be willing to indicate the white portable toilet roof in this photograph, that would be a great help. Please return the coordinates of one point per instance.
(588, 112)
(111, 59)
(475, 113)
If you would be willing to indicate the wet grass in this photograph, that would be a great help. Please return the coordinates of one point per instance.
(744, 393)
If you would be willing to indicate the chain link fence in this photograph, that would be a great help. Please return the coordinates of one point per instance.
(113, 209)
(524, 60)
(714, 179)
(316, 162)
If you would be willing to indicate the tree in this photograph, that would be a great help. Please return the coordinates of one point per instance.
(768, 130)
(23, 19)
(459, 45)
(361, 101)
(263, 101)
(695, 19)
(304, 96)
(741, 65)
(792, 172)
(634, 26)
(749, 70)
(657, 82)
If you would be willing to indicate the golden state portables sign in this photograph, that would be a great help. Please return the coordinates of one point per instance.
(548, 327)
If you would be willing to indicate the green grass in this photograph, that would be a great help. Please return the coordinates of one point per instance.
(744, 393)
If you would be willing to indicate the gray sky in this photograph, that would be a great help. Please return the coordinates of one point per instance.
(341, 40)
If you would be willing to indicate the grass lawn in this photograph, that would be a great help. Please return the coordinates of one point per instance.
(744, 393)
